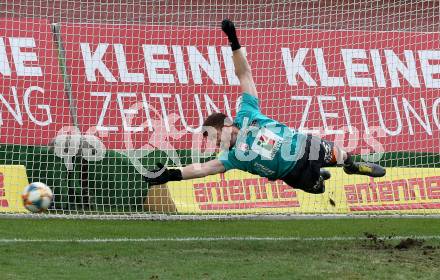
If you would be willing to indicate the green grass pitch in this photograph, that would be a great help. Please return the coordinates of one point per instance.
(262, 249)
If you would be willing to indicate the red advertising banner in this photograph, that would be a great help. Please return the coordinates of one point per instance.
(152, 86)
(33, 104)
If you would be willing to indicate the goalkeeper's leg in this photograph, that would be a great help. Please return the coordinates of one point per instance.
(363, 168)
(309, 173)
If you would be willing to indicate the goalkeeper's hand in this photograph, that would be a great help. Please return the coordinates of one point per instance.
(164, 177)
(229, 28)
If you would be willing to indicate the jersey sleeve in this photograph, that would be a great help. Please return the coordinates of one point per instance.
(230, 161)
(247, 107)
(248, 104)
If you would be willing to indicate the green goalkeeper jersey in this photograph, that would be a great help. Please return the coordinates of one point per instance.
(264, 146)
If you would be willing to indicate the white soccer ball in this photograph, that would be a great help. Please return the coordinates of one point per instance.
(37, 197)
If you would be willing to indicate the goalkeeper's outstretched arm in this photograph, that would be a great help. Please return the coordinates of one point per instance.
(199, 170)
(162, 175)
(242, 68)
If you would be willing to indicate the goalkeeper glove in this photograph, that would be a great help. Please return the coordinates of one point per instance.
(166, 176)
(229, 28)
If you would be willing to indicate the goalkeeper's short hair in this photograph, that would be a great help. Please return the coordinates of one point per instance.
(217, 121)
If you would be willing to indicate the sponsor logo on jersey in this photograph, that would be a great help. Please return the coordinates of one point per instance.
(267, 143)
(243, 147)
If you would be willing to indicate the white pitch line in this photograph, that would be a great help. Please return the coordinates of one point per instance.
(212, 239)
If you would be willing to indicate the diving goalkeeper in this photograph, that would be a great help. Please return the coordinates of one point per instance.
(257, 144)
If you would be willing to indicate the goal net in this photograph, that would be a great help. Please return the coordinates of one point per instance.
(95, 93)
